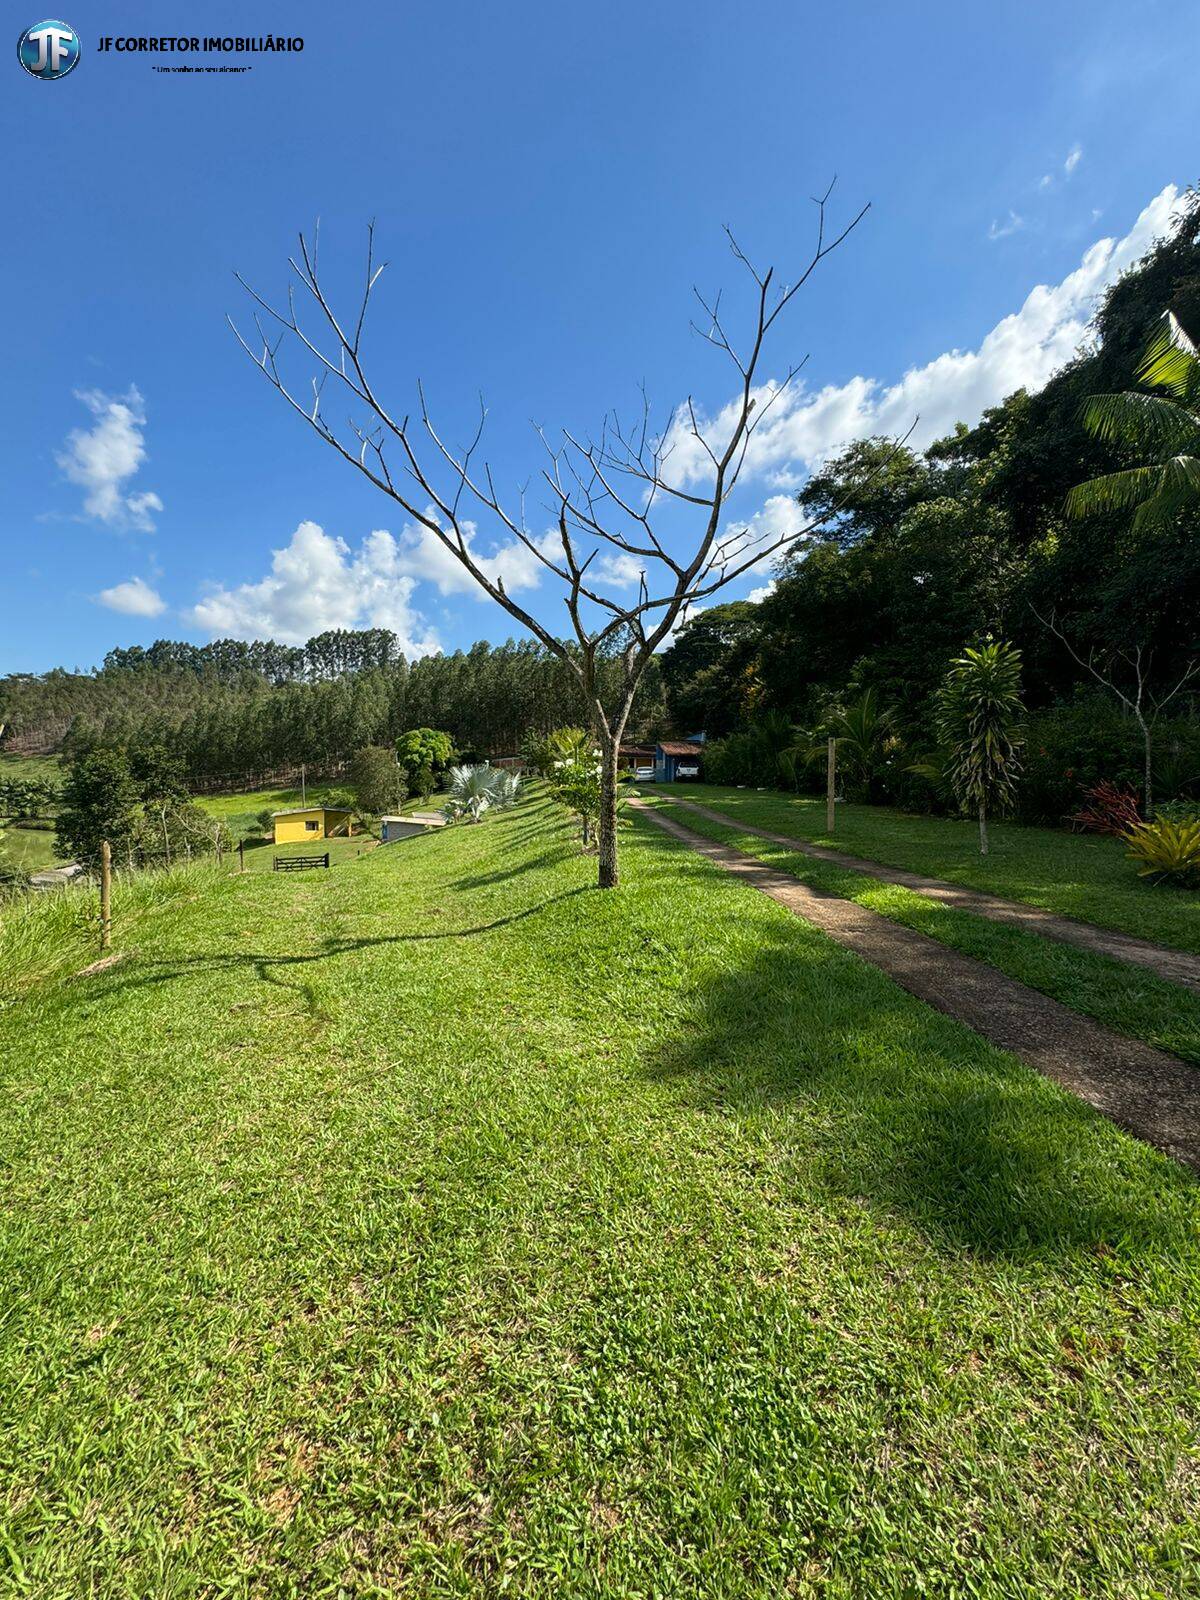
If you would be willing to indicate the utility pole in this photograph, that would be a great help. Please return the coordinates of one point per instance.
(303, 790)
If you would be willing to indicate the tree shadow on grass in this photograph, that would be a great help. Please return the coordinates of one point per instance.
(520, 869)
(274, 968)
(912, 1112)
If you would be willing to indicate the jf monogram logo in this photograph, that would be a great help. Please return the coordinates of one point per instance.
(49, 50)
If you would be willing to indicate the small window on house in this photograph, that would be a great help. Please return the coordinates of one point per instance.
(311, 827)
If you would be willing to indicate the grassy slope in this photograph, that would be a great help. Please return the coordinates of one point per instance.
(1130, 999)
(240, 811)
(439, 1226)
(261, 857)
(1078, 875)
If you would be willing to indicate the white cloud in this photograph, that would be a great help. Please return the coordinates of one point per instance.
(804, 427)
(134, 598)
(778, 518)
(317, 582)
(100, 459)
(1074, 157)
(615, 569)
(422, 555)
(761, 594)
(1001, 230)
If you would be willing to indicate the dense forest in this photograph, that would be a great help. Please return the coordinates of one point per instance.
(925, 552)
(922, 553)
(228, 708)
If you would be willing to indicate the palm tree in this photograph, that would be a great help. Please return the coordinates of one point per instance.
(979, 714)
(472, 792)
(862, 731)
(1166, 425)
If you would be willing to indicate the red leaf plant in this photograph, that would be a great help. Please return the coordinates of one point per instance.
(1107, 809)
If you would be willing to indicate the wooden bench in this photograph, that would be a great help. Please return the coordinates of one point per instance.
(299, 863)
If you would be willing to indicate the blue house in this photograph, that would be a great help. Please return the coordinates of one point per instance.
(678, 760)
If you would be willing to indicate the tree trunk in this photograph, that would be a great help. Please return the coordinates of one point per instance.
(1148, 802)
(609, 754)
(983, 838)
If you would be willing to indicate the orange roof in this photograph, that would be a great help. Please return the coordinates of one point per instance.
(680, 747)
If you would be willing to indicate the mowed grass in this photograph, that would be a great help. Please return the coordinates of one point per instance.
(441, 1226)
(261, 857)
(1132, 1000)
(30, 849)
(239, 812)
(1078, 875)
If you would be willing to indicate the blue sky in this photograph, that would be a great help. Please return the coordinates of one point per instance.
(547, 182)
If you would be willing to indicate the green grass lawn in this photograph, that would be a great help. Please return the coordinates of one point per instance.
(240, 811)
(261, 857)
(1079, 875)
(441, 1226)
(30, 769)
(1130, 999)
(31, 849)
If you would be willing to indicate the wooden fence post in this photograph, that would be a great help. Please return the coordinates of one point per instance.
(105, 895)
(241, 855)
(830, 782)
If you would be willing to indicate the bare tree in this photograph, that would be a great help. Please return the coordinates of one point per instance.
(611, 494)
(1127, 676)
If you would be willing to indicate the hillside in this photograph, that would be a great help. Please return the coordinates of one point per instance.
(441, 1226)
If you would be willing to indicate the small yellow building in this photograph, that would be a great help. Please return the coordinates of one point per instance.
(312, 822)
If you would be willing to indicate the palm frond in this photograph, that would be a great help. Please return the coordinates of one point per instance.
(1149, 421)
(1171, 360)
(1115, 491)
(1178, 491)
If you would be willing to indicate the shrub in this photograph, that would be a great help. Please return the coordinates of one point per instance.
(1166, 851)
(1087, 740)
(507, 786)
(1178, 811)
(551, 750)
(572, 774)
(423, 780)
(1107, 809)
(763, 755)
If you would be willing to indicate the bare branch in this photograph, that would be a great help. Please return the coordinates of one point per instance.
(590, 505)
